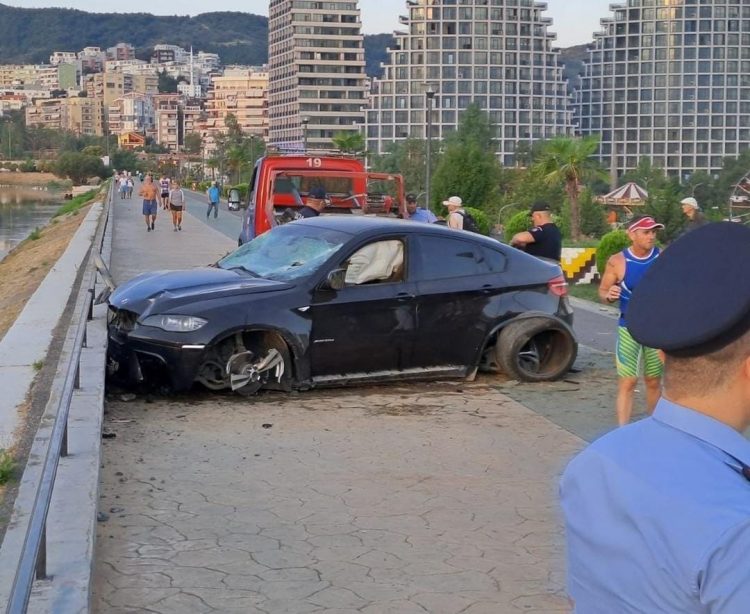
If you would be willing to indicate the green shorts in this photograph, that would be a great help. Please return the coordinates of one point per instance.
(630, 354)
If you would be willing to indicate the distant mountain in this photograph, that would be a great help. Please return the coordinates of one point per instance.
(573, 59)
(31, 35)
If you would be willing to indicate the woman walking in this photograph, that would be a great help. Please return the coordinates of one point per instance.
(176, 204)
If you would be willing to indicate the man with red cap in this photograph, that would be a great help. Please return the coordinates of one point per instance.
(624, 270)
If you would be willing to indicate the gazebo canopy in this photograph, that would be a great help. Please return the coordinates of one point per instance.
(628, 195)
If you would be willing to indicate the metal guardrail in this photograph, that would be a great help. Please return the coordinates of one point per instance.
(33, 559)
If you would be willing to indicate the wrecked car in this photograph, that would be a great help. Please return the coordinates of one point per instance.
(344, 299)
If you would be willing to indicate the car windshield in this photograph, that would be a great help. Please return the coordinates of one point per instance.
(287, 252)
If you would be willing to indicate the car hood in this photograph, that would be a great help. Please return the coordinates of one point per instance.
(171, 289)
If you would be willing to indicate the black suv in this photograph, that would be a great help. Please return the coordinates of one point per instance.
(343, 299)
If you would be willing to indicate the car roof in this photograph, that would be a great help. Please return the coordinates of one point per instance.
(358, 224)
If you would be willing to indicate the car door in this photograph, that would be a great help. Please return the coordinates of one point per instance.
(457, 279)
(368, 326)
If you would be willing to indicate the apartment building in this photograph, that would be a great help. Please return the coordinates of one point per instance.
(500, 55)
(132, 112)
(78, 115)
(317, 80)
(243, 92)
(669, 81)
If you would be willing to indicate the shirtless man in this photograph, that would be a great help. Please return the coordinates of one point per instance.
(624, 270)
(150, 195)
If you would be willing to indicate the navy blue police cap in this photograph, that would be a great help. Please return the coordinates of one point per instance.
(318, 192)
(695, 298)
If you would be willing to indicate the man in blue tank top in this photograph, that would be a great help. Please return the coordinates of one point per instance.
(624, 270)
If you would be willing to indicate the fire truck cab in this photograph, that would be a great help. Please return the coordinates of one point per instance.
(281, 184)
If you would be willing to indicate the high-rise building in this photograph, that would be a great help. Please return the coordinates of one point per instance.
(317, 72)
(77, 115)
(669, 81)
(498, 54)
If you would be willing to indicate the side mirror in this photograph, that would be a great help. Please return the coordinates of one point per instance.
(336, 279)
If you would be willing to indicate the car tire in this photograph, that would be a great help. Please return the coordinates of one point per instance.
(258, 349)
(536, 349)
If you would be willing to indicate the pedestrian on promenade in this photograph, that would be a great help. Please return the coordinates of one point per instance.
(214, 194)
(176, 204)
(417, 213)
(657, 514)
(623, 273)
(544, 239)
(122, 182)
(150, 194)
(130, 186)
(692, 211)
(164, 187)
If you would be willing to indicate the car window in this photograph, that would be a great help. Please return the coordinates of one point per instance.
(286, 252)
(443, 258)
(377, 262)
(495, 260)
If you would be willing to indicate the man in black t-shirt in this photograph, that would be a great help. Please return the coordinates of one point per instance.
(544, 239)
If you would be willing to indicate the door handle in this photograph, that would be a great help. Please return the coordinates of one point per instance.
(404, 296)
(487, 289)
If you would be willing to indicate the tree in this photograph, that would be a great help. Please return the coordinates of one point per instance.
(349, 142)
(237, 157)
(167, 84)
(664, 206)
(124, 159)
(568, 161)
(409, 159)
(79, 167)
(192, 143)
(468, 166)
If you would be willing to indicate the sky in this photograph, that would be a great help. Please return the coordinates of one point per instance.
(574, 20)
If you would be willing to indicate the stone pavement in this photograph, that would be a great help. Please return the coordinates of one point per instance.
(390, 499)
(438, 497)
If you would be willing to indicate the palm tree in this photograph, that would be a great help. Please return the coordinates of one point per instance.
(569, 161)
(349, 142)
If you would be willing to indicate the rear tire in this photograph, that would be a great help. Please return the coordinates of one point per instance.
(536, 349)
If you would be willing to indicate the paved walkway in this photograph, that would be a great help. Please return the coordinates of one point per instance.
(437, 498)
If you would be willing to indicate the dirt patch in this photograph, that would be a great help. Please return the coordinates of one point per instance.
(27, 178)
(24, 268)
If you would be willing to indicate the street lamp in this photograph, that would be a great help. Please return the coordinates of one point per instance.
(305, 119)
(430, 94)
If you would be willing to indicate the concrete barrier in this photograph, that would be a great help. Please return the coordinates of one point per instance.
(579, 265)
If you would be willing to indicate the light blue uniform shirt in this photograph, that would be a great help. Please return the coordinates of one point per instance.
(423, 215)
(657, 518)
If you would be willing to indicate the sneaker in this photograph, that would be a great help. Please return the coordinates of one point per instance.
(179, 227)
(175, 228)
(148, 228)
(152, 225)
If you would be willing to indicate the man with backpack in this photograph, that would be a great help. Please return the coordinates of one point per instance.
(544, 239)
(458, 218)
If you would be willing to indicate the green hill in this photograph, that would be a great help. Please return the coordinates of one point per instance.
(30, 35)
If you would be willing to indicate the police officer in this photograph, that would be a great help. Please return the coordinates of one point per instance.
(544, 239)
(657, 513)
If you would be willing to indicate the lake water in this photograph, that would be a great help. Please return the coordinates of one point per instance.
(22, 209)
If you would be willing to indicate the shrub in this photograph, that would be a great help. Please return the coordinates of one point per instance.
(480, 217)
(72, 206)
(611, 243)
(35, 234)
(518, 223)
(7, 466)
(242, 187)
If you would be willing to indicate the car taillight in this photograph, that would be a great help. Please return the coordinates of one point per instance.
(558, 286)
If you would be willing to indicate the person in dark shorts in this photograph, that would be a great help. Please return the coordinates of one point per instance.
(544, 239)
(164, 187)
(176, 205)
(150, 204)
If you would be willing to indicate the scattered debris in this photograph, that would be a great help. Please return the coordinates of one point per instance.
(128, 397)
(116, 510)
(267, 425)
(108, 435)
(102, 517)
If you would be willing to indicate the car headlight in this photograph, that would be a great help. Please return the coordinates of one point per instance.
(175, 324)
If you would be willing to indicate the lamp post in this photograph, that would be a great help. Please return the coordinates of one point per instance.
(305, 119)
(430, 94)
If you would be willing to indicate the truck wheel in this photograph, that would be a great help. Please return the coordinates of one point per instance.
(536, 350)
